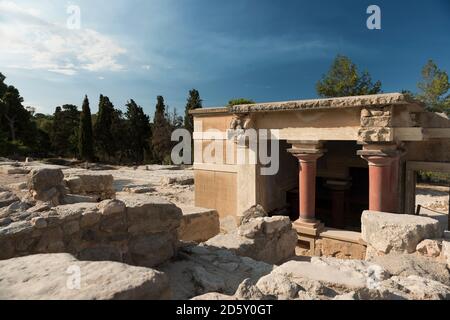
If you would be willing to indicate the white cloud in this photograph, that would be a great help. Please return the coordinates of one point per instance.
(146, 67)
(30, 42)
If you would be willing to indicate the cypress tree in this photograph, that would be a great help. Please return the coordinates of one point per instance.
(193, 102)
(85, 142)
(102, 129)
(161, 133)
(139, 131)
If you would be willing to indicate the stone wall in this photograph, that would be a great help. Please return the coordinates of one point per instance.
(140, 231)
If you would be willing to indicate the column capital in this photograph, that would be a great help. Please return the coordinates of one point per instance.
(378, 161)
(306, 157)
(306, 151)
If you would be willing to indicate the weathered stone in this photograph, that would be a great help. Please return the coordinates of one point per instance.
(17, 206)
(13, 170)
(271, 240)
(111, 207)
(51, 241)
(340, 249)
(16, 228)
(375, 121)
(375, 134)
(73, 211)
(75, 198)
(6, 249)
(416, 288)
(446, 252)
(388, 232)
(100, 185)
(39, 222)
(101, 253)
(256, 211)
(47, 276)
(138, 189)
(198, 224)
(248, 291)
(215, 265)
(71, 227)
(7, 198)
(411, 264)
(40, 207)
(89, 218)
(147, 214)
(74, 184)
(46, 184)
(278, 287)
(429, 248)
(228, 224)
(153, 249)
(180, 180)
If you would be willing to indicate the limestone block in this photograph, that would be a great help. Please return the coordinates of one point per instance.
(198, 224)
(430, 248)
(100, 185)
(446, 252)
(45, 276)
(7, 198)
(375, 134)
(46, 184)
(340, 249)
(149, 214)
(388, 232)
(152, 249)
(8, 169)
(111, 207)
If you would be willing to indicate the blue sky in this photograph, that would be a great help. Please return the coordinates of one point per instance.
(264, 50)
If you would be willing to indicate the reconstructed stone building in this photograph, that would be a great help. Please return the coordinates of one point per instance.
(337, 157)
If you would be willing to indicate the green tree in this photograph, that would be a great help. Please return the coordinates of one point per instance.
(434, 87)
(66, 122)
(85, 140)
(343, 79)
(139, 131)
(15, 118)
(120, 130)
(193, 102)
(161, 142)
(235, 102)
(102, 129)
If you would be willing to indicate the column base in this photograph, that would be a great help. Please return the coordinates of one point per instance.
(306, 227)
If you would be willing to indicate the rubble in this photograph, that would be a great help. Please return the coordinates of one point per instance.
(272, 240)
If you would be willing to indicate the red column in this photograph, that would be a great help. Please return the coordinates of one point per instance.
(307, 185)
(380, 178)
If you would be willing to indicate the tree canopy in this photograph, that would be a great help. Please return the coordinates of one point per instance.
(434, 87)
(344, 79)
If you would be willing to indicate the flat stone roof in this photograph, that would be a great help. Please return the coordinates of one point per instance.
(313, 104)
